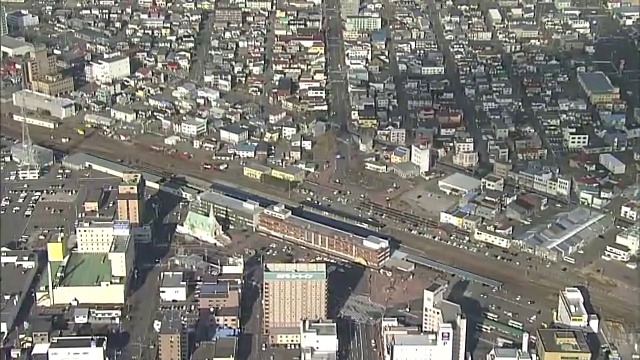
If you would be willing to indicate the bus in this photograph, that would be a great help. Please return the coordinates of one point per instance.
(491, 316)
(569, 259)
(484, 328)
(515, 324)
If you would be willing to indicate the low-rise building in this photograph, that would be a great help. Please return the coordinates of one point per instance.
(173, 286)
(559, 344)
(53, 85)
(56, 107)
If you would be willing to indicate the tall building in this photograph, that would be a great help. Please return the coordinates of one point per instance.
(572, 311)
(421, 157)
(131, 198)
(438, 345)
(318, 340)
(292, 292)
(40, 64)
(4, 28)
(437, 311)
(349, 8)
(173, 337)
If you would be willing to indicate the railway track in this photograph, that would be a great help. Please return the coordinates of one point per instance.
(110, 149)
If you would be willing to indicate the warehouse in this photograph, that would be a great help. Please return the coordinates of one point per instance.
(57, 107)
(459, 184)
(42, 156)
(613, 164)
(598, 87)
(15, 47)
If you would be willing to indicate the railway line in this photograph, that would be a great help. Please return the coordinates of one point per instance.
(607, 298)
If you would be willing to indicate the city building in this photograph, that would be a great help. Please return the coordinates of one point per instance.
(572, 311)
(73, 348)
(108, 69)
(598, 87)
(15, 47)
(278, 221)
(630, 238)
(202, 227)
(459, 184)
(39, 64)
(223, 348)
(629, 211)
(561, 344)
(4, 27)
(230, 212)
(173, 337)
(97, 272)
(60, 108)
(54, 85)
(292, 292)
(363, 24)
(131, 203)
(443, 317)
(436, 345)
(349, 8)
(318, 340)
(234, 134)
(173, 286)
(21, 19)
(544, 180)
(421, 157)
(19, 269)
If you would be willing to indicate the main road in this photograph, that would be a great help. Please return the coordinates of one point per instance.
(338, 87)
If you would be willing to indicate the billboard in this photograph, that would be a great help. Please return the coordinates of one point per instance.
(446, 336)
(297, 275)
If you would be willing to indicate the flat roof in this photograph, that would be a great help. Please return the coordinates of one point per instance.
(596, 82)
(77, 342)
(14, 43)
(225, 348)
(415, 339)
(563, 341)
(461, 181)
(247, 207)
(295, 271)
(29, 94)
(404, 253)
(172, 279)
(84, 269)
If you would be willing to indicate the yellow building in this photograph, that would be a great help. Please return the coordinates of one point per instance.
(400, 155)
(367, 123)
(256, 171)
(598, 87)
(56, 249)
(562, 344)
(290, 173)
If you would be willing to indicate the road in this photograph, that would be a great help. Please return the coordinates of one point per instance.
(197, 70)
(451, 71)
(339, 100)
(388, 13)
(356, 340)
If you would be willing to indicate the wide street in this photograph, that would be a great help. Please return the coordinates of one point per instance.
(340, 104)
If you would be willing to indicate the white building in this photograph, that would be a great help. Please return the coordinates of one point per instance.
(630, 238)
(459, 184)
(318, 340)
(57, 107)
(15, 47)
(572, 311)
(574, 140)
(193, 127)
(629, 211)
(437, 314)
(427, 346)
(363, 23)
(20, 19)
(109, 69)
(73, 348)
(173, 286)
(233, 134)
(421, 157)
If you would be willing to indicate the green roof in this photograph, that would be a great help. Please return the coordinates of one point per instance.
(86, 270)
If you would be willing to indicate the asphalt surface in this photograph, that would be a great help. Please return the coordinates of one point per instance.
(356, 340)
(339, 100)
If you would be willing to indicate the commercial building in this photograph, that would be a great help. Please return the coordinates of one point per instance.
(292, 292)
(56, 107)
(318, 340)
(32, 121)
(459, 184)
(173, 286)
(425, 346)
(53, 85)
(561, 344)
(256, 171)
(572, 311)
(73, 348)
(97, 272)
(443, 316)
(349, 8)
(279, 222)
(421, 157)
(39, 64)
(131, 203)
(173, 337)
(362, 24)
(108, 69)
(630, 238)
(223, 348)
(629, 211)
(290, 173)
(19, 269)
(544, 180)
(230, 212)
(598, 87)
(4, 28)
(222, 300)
(15, 47)
(21, 19)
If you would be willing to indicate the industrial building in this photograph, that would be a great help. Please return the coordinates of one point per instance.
(131, 203)
(560, 344)
(19, 269)
(56, 107)
(279, 222)
(568, 233)
(573, 312)
(173, 336)
(598, 87)
(97, 272)
(72, 347)
(459, 184)
(291, 292)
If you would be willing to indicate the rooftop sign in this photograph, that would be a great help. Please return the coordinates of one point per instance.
(295, 276)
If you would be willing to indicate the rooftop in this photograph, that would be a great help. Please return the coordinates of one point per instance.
(574, 301)
(295, 271)
(415, 340)
(85, 269)
(28, 95)
(77, 342)
(248, 208)
(13, 43)
(173, 279)
(461, 181)
(597, 82)
(563, 341)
